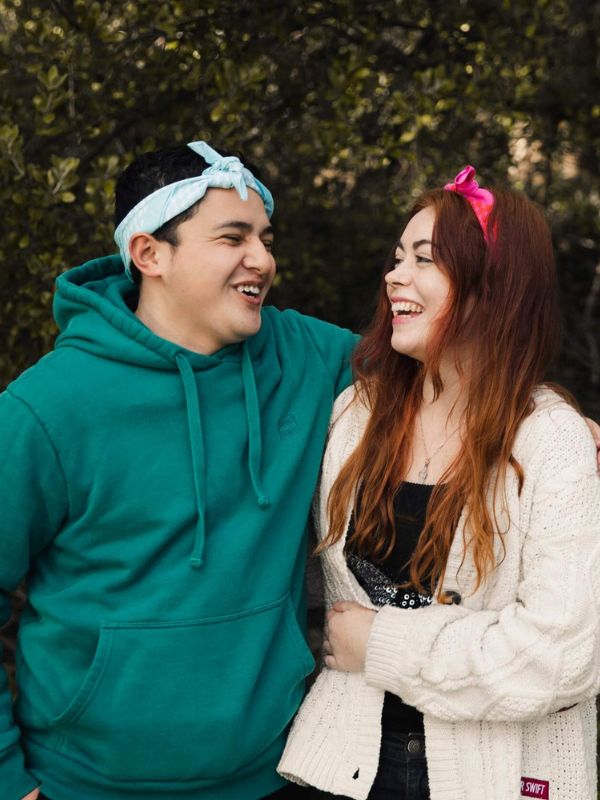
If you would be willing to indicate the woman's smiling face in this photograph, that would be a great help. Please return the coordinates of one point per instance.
(418, 290)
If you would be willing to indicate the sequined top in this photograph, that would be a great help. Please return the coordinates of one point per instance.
(381, 582)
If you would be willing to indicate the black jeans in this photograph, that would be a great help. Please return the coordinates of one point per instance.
(402, 771)
(290, 792)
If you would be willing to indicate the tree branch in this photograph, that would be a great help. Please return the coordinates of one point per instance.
(69, 15)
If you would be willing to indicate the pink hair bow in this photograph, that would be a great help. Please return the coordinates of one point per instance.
(481, 200)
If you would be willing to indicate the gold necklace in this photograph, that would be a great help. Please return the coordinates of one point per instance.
(424, 471)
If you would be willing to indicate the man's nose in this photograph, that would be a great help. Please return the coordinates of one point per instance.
(257, 256)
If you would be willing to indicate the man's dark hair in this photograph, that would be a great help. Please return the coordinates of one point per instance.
(156, 169)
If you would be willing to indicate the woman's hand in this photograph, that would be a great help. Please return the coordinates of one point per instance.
(348, 628)
(32, 795)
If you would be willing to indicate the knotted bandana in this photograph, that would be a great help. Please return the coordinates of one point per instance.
(224, 172)
(481, 200)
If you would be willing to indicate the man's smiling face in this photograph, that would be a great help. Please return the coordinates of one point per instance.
(215, 281)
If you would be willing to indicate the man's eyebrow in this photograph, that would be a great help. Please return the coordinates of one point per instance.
(246, 227)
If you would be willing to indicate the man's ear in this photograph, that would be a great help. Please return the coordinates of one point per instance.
(147, 253)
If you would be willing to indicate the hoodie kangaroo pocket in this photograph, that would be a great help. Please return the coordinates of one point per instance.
(187, 700)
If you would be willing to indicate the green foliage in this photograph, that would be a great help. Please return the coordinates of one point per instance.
(350, 108)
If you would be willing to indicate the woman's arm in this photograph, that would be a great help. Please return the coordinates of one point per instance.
(538, 654)
(529, 658)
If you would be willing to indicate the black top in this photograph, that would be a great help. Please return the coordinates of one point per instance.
(381, 580)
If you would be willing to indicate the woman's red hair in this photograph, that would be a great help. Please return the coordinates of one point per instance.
(503, 302)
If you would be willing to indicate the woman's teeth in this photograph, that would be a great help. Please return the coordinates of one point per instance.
(406, 308)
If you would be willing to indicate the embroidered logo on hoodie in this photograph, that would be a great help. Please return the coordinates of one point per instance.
(287, 426)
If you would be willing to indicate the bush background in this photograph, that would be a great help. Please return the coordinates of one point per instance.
(350, 107)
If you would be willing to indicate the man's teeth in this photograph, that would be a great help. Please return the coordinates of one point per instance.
(253, 290)
(406, 308)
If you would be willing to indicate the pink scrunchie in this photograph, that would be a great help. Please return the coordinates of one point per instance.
(481, 200)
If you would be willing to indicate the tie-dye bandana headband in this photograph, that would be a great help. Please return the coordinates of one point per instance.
(481, 200)
(151, 213)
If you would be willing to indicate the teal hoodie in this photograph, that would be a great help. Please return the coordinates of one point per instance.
(157, 500)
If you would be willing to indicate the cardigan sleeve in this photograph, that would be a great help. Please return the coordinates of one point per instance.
(538, 654)
(334, 457)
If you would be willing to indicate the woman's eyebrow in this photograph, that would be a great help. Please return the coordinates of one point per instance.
(416, 244)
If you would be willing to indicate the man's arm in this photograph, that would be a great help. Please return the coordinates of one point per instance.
(34, 504)
(335, 346)
(595, 429)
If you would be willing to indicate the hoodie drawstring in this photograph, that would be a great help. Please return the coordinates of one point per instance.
(254, 432)
(197, 443)
(198, 458)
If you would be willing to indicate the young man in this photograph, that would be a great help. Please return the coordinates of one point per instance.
(157, 477)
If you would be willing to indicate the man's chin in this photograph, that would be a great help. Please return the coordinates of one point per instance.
(249, 330)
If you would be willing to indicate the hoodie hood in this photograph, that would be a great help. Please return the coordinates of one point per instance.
(94, 310)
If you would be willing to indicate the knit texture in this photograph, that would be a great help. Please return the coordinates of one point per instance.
(494, 674)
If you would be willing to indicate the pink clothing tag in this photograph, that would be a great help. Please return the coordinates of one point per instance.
(531, 787)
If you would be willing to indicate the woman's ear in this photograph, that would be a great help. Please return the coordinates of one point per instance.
(147, 253)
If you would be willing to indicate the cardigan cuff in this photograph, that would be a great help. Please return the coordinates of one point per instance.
(391, 649)
(400, 643)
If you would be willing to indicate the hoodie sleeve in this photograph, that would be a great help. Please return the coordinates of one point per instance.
(534, 656)
(335, 346)
(33, 500)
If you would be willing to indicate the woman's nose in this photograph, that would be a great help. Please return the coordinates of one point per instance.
(399, 275)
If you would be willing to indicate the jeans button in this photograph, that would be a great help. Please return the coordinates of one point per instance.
(415, 746)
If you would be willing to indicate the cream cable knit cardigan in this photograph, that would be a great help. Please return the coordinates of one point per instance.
(491, 674)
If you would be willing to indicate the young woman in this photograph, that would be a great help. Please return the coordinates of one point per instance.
(460, 526)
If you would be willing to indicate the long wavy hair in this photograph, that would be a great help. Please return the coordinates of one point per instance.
(503, 304)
